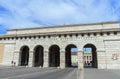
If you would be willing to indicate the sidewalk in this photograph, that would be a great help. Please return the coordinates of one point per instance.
(9, 67)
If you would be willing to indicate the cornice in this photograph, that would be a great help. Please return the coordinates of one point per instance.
(66, 25)
(63, 32)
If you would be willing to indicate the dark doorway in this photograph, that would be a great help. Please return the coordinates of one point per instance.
(54, 56)
(90, 56)
(68, 56)
(38, 56)
(24, 56)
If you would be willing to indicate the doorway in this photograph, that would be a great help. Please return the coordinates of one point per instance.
(54, 56)
(71, 56)
(90, 56)
(38, 56)
(24, 56)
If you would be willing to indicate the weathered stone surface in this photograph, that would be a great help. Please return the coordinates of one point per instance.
(1, 52)
(107, 44)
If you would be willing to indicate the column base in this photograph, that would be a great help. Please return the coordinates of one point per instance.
(80, 66)
(62, 66)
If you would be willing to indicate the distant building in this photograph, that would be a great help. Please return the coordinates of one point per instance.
(87, 59)
(74, 59)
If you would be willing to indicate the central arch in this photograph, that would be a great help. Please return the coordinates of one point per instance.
(91, 59)
(24, 56)
(54, 56)
(38, 56)
(69, 54)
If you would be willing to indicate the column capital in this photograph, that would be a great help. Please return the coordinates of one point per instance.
(80, 51)
(62, 49)
(16, 51)
(31, 51)
(46, 51)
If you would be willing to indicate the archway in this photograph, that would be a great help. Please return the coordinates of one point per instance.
(24, 56)
(54, 56)
(90, 56)
(38, 56)
(71, 56)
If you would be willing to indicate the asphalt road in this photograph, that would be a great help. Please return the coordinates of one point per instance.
(38, 73)
(55, 73)
(101, 74)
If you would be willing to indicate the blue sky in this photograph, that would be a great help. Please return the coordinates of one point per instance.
(37, 13)
(86, 50)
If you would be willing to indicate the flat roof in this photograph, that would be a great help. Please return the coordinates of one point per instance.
(43, 27)
(71, 32)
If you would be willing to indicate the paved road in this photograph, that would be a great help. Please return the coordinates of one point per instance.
(54, 73)
(38, 73)
(101, 74)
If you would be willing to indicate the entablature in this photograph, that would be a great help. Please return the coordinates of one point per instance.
(101, 32)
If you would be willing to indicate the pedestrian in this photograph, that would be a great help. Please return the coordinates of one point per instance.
(14, 64)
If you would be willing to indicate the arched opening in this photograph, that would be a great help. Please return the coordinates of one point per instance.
(38, 56)
(90, 56)
(24, 56)
(54, 56)
(71, 56)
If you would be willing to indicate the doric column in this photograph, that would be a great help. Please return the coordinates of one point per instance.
(46, 62)
(62, 59)
(30, 63)
(80, 60)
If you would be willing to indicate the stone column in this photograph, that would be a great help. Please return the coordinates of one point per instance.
(62, 59)
(30, 63)
(80, 60)
(46, 62)
(16, 57)
(101, 59)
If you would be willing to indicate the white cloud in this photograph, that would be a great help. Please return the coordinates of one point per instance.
(36, 13)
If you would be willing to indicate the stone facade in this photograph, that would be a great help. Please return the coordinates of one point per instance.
(104, 36)
(1, 52)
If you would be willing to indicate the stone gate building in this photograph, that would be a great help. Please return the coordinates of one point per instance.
(51, 46)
